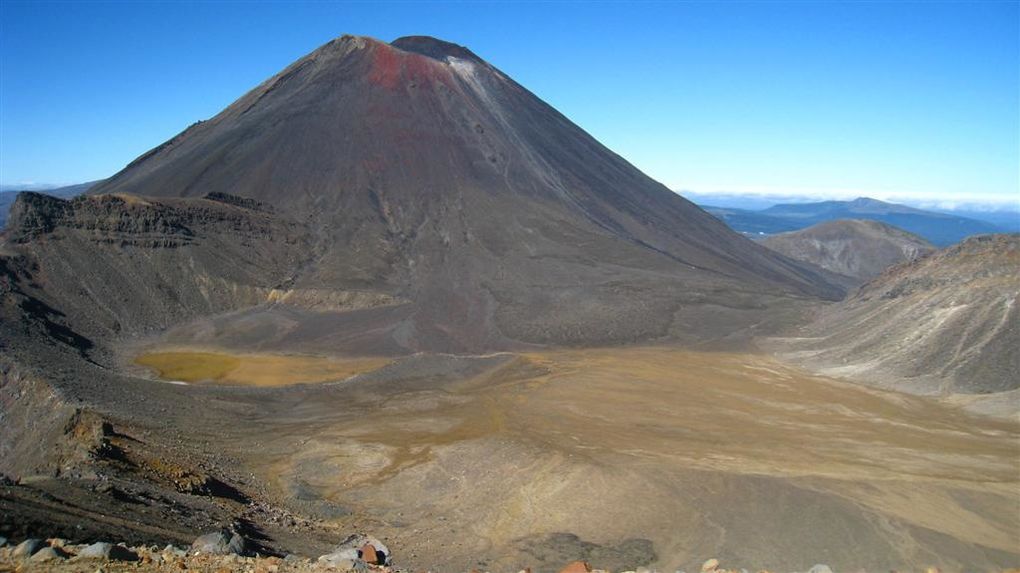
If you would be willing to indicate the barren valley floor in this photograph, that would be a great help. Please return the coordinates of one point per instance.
(647, 455)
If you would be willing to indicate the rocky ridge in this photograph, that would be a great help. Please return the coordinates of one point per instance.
(7, 198)
(946, 324)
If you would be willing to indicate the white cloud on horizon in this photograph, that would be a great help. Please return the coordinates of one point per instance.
(30, 186)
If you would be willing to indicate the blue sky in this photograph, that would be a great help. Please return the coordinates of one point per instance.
(898, 100)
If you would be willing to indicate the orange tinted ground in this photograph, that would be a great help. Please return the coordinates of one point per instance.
(254, 369)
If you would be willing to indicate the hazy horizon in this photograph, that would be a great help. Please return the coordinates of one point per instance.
(760, 199)
(990, 203)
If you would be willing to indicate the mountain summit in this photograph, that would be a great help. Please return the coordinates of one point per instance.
(423, 173)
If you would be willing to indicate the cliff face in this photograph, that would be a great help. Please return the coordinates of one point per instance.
(947, 323)
(112, 266)
(136, 221)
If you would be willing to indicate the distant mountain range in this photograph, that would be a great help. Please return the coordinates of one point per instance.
(1006, 220)
(941, 229)
(7, 196)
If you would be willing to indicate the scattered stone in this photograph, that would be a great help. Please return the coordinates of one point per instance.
(353, 548)
(577, 567)
(710, 565)
(104, 550)
(220, 543)
(98, 550)
(339, 555)
(27, 548)
(47, 554)
(643, 570)
(820, 568)
(344, 564)
(369, 555)
(3, 541)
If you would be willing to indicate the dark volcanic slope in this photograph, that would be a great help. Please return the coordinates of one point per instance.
(947, 323)
(424, 173)
(860, 249)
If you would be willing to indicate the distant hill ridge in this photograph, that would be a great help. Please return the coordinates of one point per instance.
(857, 248)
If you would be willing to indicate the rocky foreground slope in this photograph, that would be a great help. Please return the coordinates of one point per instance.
(858, 249)
(945, 324)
